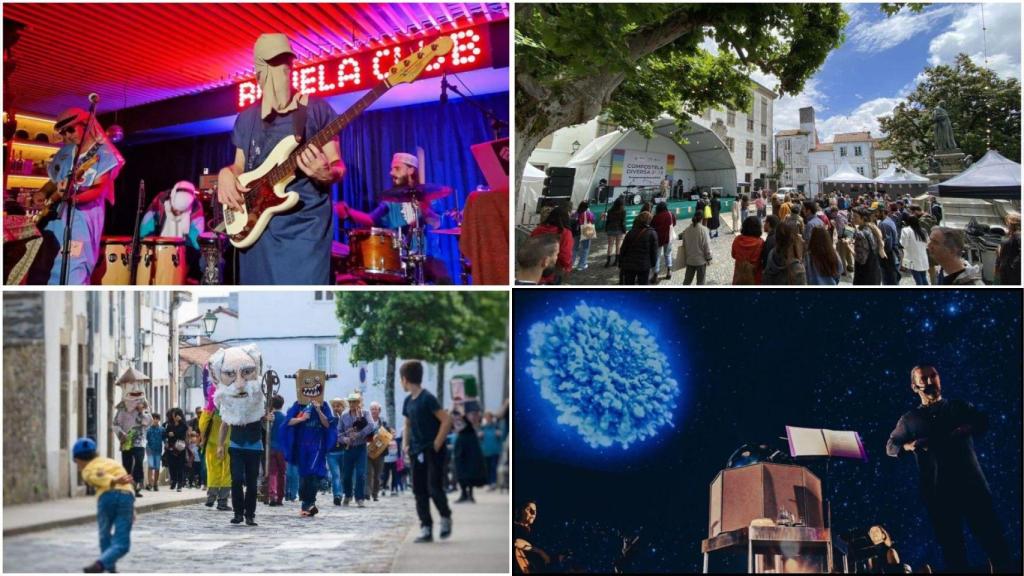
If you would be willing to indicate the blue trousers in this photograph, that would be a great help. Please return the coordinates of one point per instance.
(334, 465)
(114, 511)
(354, 462)
(291, 482)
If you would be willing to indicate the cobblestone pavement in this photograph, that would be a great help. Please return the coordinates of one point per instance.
(195, 538)
(718, 273)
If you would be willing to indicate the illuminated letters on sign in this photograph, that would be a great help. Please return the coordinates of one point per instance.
(363, 70)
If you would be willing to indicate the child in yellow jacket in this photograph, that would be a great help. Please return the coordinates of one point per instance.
(115, 503)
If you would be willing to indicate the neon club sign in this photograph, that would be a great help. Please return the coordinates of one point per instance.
(362, 70)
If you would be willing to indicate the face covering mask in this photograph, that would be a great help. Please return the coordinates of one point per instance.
(181, 201)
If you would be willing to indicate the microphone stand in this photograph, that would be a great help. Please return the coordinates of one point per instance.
(72, 191)
(133, 257)
(496, 123)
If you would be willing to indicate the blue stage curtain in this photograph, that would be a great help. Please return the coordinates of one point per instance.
(445, 132)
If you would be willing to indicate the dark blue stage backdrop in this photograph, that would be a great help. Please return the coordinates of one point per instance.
(743, 366)
(445, 132)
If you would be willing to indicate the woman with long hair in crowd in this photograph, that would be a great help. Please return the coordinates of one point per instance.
(1008, 257)
(177, 444)
(915, 250)
(785, 264)
(558, 223)
(823, 266)
(582, 234)
(615, 228)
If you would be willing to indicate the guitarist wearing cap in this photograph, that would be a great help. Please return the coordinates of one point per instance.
(296, 246)
(99, 166)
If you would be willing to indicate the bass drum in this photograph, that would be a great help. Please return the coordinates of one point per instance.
(162, 262)
(113, 268)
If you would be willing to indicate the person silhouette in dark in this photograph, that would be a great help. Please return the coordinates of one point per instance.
(940, 434)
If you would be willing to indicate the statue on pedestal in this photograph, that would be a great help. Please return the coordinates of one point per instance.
(944, 141)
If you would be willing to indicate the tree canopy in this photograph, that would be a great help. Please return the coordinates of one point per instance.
(636, 62)
(975, 98)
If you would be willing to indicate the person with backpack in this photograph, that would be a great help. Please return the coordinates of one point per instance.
(746, 251)
(867, 269)
(639, 252)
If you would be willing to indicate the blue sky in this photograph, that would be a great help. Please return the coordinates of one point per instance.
(882, 58)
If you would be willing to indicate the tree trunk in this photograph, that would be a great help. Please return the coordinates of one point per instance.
(480, 381)
(440, 383)
(389, 391)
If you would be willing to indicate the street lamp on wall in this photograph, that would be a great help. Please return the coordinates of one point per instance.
(209, 323)
(575, 146)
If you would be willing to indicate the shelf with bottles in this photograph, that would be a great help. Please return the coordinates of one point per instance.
(30, 152)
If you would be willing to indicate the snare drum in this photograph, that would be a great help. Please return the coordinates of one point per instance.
(162, 261)
(113, 268)
(376, 254)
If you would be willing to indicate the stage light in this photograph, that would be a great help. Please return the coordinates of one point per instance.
(621, 396)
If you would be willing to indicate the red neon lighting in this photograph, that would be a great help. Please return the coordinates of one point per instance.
(363, 70)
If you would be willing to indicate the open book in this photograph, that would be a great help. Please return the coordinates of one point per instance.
(821, 442)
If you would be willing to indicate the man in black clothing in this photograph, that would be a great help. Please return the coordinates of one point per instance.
(426, 428)
(940, 434)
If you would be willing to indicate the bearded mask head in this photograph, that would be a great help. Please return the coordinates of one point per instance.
(239, 394)
(133, 389)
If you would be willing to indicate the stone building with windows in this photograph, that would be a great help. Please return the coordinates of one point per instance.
(748, 134)
(63, 351)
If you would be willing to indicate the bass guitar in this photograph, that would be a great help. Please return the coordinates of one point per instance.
(264, 193)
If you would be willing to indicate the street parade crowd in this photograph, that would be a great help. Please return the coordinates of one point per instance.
(315, 447)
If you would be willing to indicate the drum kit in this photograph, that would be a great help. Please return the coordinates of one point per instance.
(392, 256)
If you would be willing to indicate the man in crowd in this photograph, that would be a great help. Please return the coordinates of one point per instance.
(536, 257)
(426, 426)
(946, 245)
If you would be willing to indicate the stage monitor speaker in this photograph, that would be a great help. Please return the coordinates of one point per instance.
(739, 495)
(561, 172)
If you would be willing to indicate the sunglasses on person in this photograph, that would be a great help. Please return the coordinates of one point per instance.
(68, 129)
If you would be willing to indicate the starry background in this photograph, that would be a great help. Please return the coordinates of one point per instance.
(749, 363)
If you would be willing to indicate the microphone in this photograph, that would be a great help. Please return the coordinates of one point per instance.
(94, 97)
(444, 88)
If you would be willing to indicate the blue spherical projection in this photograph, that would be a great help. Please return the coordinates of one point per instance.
(605, 375)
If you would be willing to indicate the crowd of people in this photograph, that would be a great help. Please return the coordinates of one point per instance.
(313, 448)
(873, 238)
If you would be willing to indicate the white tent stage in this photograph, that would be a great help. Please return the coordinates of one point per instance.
(991, 177)
(703, 160)
(896, 175)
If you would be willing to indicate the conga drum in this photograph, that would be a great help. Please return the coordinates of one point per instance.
(162, 261)
(113, 268)
(375, 255)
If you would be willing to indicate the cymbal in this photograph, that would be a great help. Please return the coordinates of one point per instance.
(449, 231)
(421, 192)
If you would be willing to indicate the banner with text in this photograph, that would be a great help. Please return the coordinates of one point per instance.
(636, 168)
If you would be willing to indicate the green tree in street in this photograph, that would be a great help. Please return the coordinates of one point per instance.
(976, 100)
(635, 62)
(489, 311)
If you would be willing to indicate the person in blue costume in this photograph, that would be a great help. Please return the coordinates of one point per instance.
(95, 191)
(310, 431)
(295, 248)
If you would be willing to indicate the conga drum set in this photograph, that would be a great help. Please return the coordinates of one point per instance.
(161, 262)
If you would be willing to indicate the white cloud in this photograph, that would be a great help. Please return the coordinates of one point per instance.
(965, 35)
(872, 36)
(862, 119)
(787, 108)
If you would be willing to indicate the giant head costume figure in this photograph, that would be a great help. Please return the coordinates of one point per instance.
(239, 394)
(309, 386)
(131, 415)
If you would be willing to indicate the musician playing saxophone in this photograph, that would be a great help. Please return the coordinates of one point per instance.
(296, 246)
